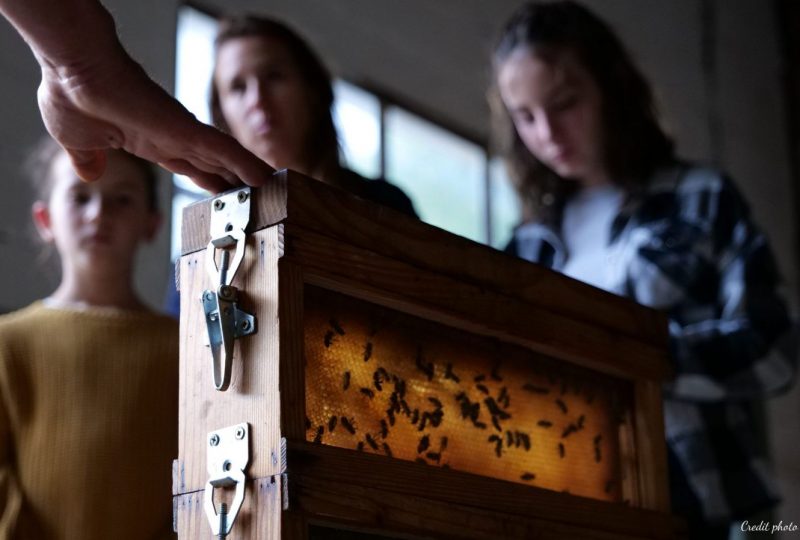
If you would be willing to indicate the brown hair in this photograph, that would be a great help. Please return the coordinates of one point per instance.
(39, 167)
(322, 144)
(634, 141)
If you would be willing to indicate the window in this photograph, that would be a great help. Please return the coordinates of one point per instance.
(357, 115)
(453, 182)
(443, 174)
(193, 64)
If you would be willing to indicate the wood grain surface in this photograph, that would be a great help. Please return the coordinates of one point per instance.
(295, 199)
(303, 233)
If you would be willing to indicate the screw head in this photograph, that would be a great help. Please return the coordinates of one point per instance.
(209, 295)
(212, 316)
(214, 440)
(240, 433)
(245, 325)
(226, 292)
(242, 196)
(219, 205)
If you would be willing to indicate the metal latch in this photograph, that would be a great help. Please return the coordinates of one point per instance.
(228, 456)
(224, 320)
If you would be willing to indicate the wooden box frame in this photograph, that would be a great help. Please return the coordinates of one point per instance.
(303, 232)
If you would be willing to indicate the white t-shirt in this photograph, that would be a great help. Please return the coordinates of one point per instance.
(588, 217)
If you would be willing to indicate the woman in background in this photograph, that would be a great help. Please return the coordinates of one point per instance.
(273, 94)
(270, 90)
(606, 201)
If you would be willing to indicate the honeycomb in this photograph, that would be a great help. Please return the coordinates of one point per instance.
(389, 383)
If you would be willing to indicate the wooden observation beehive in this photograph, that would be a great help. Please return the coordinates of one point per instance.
(389, 379)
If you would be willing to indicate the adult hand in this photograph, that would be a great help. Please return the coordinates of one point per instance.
(112, 103)
(93, 97)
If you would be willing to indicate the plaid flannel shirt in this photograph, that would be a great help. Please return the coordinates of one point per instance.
(685, 244)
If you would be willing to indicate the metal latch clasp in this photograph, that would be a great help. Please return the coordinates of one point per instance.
(224, 320)
(227, 459)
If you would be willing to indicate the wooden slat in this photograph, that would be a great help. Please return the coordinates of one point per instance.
(326, 481)
(292, 367)
(351, 220)
(305, 232)
(628, 459)
(293, 526)
(420, 292)
(253, 395)
(651, 448)
(349, 507)
(259, 518)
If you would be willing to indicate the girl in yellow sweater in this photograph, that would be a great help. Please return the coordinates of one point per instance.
(88, 375)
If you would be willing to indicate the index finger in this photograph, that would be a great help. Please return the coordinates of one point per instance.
(202, 179)
(88, 164)
(229, 154)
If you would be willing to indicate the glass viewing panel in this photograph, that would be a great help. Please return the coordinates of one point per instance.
(385, 382)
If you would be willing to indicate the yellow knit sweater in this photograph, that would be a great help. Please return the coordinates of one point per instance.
(88, 423)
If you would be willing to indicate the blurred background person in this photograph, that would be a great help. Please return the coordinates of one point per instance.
(271, 91)
(607, 202)
(89, 375)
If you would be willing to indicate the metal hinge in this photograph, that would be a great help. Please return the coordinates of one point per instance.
(225, 322)
(227, 458)
(284, 477)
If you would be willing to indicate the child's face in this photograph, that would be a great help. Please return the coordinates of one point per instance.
(556, 109)
(97, 225)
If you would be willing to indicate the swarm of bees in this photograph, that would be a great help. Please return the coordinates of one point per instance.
(442, 404)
